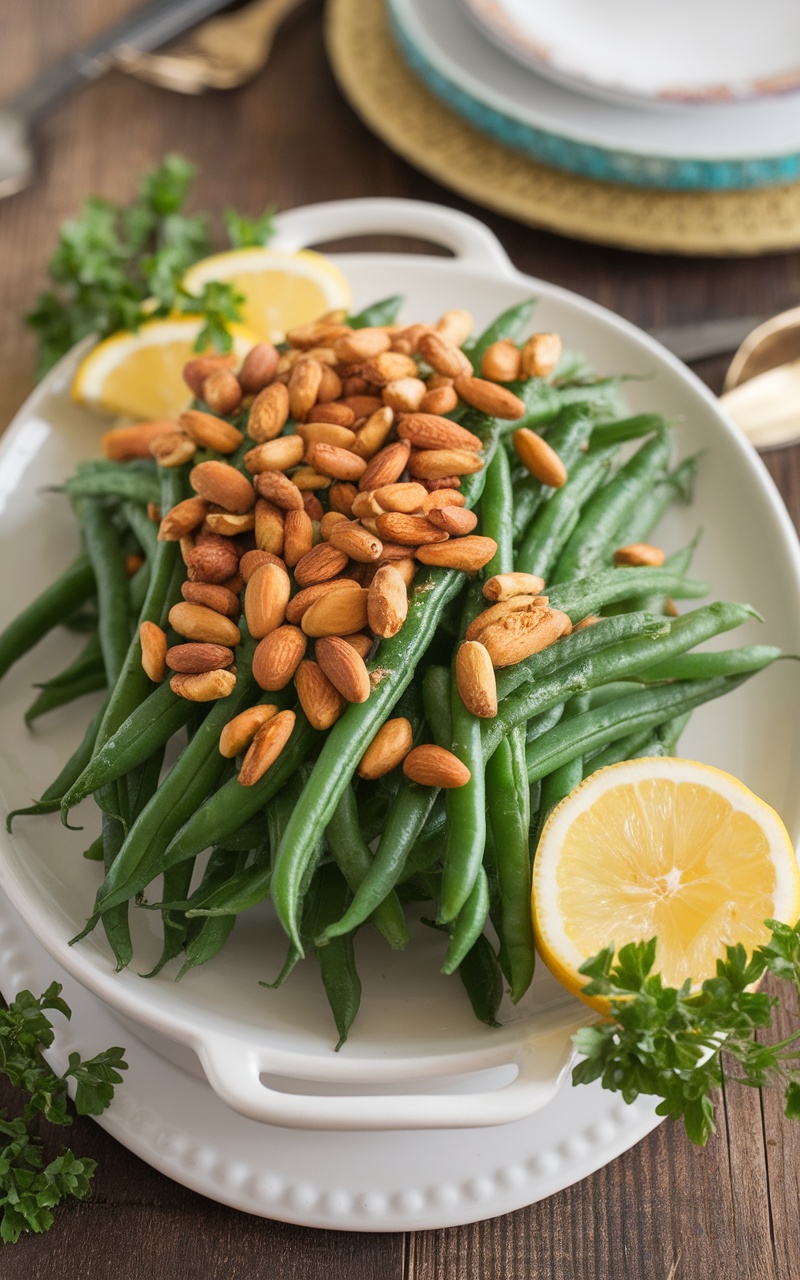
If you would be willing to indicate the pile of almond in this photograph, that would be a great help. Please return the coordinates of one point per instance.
(351, 482)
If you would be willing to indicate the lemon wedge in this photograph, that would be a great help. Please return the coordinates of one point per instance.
(140, 374)
(281, 290)
(664, 848)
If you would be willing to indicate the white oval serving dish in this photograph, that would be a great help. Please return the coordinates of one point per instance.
(416, 1057)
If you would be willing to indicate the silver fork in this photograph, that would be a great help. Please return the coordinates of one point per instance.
(145, 29)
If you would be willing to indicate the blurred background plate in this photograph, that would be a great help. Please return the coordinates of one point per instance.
(701, 54)
(732, 147)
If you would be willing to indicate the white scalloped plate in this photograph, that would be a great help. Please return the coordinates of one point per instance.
(408, 1181)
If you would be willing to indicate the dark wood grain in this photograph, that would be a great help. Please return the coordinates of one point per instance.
(663, 1211)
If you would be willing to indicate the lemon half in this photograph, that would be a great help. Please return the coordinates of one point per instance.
(664, 848)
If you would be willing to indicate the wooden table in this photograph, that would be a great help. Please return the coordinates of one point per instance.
(665, 1210)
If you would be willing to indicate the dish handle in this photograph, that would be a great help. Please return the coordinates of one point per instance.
(472, 243)
(235, 1072)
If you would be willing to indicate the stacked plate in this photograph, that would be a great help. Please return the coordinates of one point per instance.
(706, 98)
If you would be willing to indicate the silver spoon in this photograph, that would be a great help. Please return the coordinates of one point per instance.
(761, 391)
(144, 29)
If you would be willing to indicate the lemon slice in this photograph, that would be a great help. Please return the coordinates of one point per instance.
(140, 374)
(282, 290)
(665, 848)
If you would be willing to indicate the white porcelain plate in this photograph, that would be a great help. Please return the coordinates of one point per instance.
(416, 1057)
(701, 54)
(732, 146)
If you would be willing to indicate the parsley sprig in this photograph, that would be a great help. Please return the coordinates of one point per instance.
(116, 265)
(682, 1045)
(29, 1189)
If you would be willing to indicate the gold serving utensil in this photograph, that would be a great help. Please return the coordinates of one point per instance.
(222, 53)
(761, 391)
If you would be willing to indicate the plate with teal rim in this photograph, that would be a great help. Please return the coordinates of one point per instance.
(731, 147)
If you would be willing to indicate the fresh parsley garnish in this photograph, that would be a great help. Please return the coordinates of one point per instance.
(681, 1045)
(29, 1189)
(116, 265)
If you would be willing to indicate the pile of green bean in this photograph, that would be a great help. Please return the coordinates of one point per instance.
(305, 834)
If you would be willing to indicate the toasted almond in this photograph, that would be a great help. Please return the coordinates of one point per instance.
(441, 498)
(196, 371)
(328, 424)
(277, 657)
(470, 553)
(270, 526)
(341, 497)
(407, 568)
(312, 506)
(588, 621)
(405, 497)
(213, 559)
(275, 455)
(388, 367)
(438, 464)
(320, 700)
(405, 393)
(306, 478)
(540, 355)
(388, 748)
(365, 504)
(182, 519)
(222, 392)
(539, 458)
(443, 356)
(407, 340)
(266, 746)
(327, 522)
(133, 563)
(239, 732)
(360, 642)
(123, 443)
(361, 344)
(387, 601)
(519, 634)
(153, 512)
(220, 599)
(279, 489)
(154, 650)
(252, 560)
(394, 551)
(197, 656)
(363, 406)
(455, 325)
(454, 520)
(387, 466)
(503, 586)
(258, 368)
(490, 397)
(640, 553)
(344, 668)
(372, 435)
(173, 449)
(298, 537)
(670, 608)
(234, 584)
(433, 766)
(210, 432)
(408, 530)
(439, 400)
(339, 464)
(269, 413)
(197, 622)
(319, 564)
(330, 384)
(352, 385)
(265, 599)
(497, 613)
(327, 327)
(442, 482)
(220, 483)
(305, 598)
(355, 541)
(476, 681)
(501, 362)
(429, 431)
(304, 382)
(205, 686)
(229, 525)
(339, 613)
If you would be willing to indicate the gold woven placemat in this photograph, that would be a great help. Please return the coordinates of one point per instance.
(392, 102)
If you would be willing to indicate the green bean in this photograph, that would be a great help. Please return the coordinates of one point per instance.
(51, 607)
(594, 535)
(206, 943)
(50, 800)
(679, 562)
(174, 923)
(552, 526)
(594, 729)
(676, 486)
(510, 324)
(544, 401)
(145, 529)
(624, 429)
(87, 660)
(615, 752)
(60, 695)
(497, 504)
(509, 819)
(483, 981)
(559, 783)
(567, 437)
(115, 924)
(586, 595)
(436, 698)
(346, 742)
(95, 851)
(670, 731)
(355, 861)
(101, 479)
(108, 563)
(384, 312)
(337, 958)
(544, 722)
(722, 662)
(468, 925)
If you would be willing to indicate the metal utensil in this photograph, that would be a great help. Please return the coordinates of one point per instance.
(222, 53)
(143, 30)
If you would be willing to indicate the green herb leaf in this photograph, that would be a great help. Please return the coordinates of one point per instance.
(243, 232)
